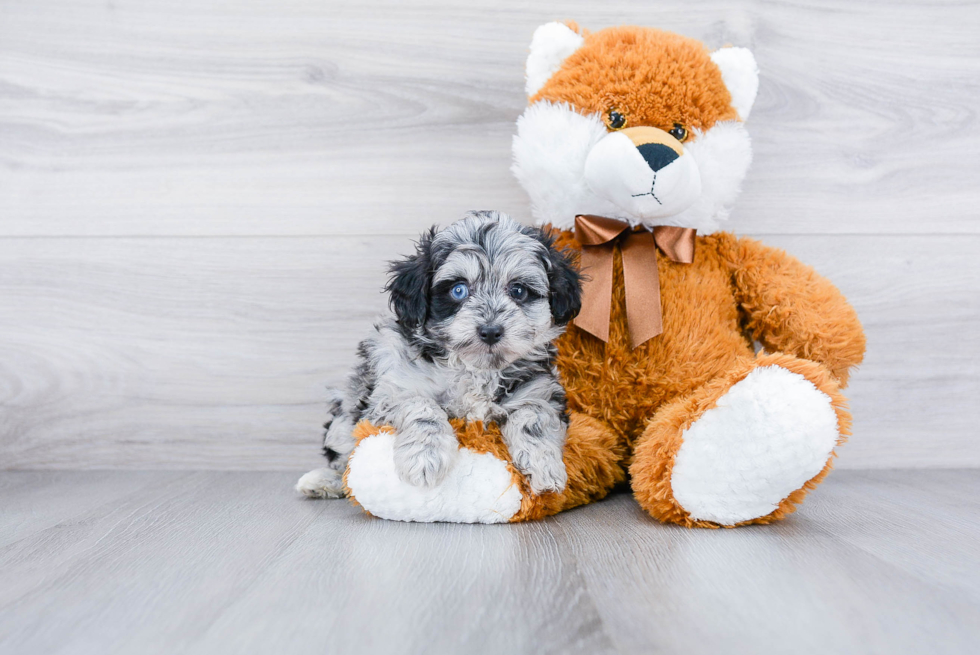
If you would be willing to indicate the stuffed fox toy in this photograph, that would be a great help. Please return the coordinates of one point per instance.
(632, 150)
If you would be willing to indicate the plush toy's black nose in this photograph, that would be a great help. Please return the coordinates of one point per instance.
(657, 155)
(490, 334)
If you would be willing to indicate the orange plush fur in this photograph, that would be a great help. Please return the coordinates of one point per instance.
(652, 77)
(735, 291)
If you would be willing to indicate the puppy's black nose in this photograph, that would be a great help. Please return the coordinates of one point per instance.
(490, 334)
(657, 155)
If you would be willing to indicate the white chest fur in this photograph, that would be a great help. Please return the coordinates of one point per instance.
(463, 392)
(470, 394)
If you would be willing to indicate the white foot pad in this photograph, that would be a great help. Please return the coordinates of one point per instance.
(478, 489)
(768, 435)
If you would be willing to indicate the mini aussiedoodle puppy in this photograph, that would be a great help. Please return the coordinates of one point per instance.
(476, 310)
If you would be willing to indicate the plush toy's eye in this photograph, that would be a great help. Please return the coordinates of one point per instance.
(459, 291)
(518, 292)
(679, 132)
(616, 120)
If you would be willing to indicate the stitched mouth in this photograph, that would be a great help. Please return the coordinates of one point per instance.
(650, 192)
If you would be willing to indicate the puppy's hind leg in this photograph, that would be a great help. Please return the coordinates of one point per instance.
(321, 483)
(338, 443)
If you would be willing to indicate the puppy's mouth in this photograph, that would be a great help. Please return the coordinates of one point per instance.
(487, 357)
(498, 358)
(495, 357)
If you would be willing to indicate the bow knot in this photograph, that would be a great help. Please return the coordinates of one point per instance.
(599, 236)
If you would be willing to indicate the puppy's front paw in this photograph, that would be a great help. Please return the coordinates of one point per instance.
(424, 452)
(321, 483)
(543, 468)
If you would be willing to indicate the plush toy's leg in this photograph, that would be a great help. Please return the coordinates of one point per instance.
(744, 448)
(482, 486)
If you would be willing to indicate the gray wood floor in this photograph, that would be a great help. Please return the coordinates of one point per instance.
(222, 562)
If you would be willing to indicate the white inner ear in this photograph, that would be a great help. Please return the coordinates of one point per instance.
(550, 45)
(741, 75)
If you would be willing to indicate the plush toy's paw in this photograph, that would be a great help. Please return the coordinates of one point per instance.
(321, 483)
(542, 467)
(478, 488)
(744, 448)
(767, 435)
(424, 452)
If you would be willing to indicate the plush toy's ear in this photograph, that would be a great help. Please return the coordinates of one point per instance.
(551, 43)
(564, 279)
(410, 282)
(741, 76)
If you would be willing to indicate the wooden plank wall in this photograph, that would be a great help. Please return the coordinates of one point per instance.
(197, 199)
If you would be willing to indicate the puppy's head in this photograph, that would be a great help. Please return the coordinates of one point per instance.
(485, 291)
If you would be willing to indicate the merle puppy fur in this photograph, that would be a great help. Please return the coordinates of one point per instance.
(476, 310)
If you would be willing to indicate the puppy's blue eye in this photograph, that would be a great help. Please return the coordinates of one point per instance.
(518, 291)
(460, 291)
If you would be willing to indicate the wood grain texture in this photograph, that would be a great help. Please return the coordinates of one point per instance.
(204, 562)
(197, 201)
(154, 117)
(201, 353)
(216, 353)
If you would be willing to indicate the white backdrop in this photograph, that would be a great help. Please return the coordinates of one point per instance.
(197, 200)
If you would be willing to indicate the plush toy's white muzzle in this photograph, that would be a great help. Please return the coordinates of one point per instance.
(571, 164)
(644, 171)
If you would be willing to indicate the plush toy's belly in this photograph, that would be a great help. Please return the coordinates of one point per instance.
(701, 339)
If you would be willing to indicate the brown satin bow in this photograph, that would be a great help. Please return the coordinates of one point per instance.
(598, 236)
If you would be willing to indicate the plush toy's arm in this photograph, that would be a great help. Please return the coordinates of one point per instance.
(789, 308)
(483, 486)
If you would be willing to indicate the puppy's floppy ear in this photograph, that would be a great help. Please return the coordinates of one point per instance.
(564, 279)
(409, 284)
